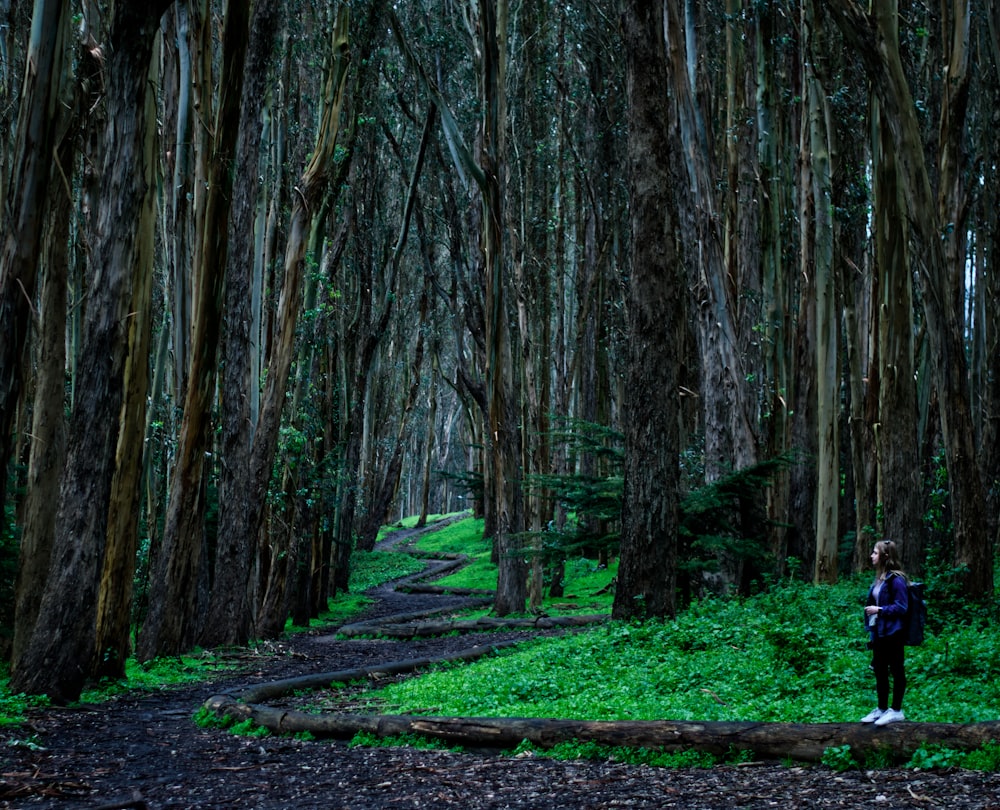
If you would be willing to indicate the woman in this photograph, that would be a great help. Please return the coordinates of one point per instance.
(885, 614)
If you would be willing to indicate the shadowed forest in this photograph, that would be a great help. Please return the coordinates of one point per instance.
(708, 288)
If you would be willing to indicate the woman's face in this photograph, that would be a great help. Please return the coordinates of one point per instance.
(876, 554)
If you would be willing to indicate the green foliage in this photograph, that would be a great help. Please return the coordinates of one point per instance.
(839, 758)
(585, 585)
(206, 718)
(248, 728)
(366, 739)
(984, 758)
(161, 673)
(794, 654)
(372, 568)
(590, 750)
(459, 537)
(14, 707)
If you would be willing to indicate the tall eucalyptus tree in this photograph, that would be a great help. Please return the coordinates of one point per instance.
(171, 623)
(648, 568)
(23, 207)
(59, 654)
(938, 233)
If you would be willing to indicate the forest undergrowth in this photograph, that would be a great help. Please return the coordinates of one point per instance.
(794, 653)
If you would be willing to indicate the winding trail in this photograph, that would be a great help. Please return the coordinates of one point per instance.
(143, 751)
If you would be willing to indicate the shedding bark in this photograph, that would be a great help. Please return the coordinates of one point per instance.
(59, 655)
(114, 610)
(230, 611)
(172, 623)
(936, 223)
(23, 209)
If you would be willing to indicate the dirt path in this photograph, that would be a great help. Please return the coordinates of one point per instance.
(144, 751)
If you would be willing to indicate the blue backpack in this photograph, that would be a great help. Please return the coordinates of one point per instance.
(916, 615)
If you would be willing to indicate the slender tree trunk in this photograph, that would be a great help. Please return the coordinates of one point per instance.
(648, 568)
(48, 443)
(504, 441)
(827, 316)
(730, 440)
(804, 397)
(989, 284)
(776, 289)
(238, 523)
(172, 623)
(23, 221)
(114, 610)
(59, 654)
(896, 438)
(229, 617)
(938, 263)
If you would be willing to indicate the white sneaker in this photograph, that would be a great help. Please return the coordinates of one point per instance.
(890, 716)
(872, 716)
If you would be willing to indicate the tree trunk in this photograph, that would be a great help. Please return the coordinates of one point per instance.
(730, 439)
(896, 437)
(174, 616)
(238, 523)
(48, 443)
(23, 209)
(648, 568)
(827, 316)
(180, 256)
(881, 58)
(776, 288)
(60, 652)
(230, 618)
(114, 610)
(504, 441)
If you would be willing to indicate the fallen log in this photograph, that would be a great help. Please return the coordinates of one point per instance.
(372, 626)
(323, 680)
(437, 628)
(802, 742)
(444, 589)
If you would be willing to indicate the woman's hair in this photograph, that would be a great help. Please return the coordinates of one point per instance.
(888, 557)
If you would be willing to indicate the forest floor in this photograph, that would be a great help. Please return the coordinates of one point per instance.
(144, 751)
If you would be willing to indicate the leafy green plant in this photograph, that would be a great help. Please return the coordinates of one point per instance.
(930, 756)
(206, 718)
(590, 750)
(984, 758)
(839, 758)
(14, 707)
(248, 728)
(795, 653)
(367, 739)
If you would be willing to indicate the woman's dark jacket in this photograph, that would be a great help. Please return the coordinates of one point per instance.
(893, 603)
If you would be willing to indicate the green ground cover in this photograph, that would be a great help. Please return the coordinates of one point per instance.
(586, 583)
(794, 654)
